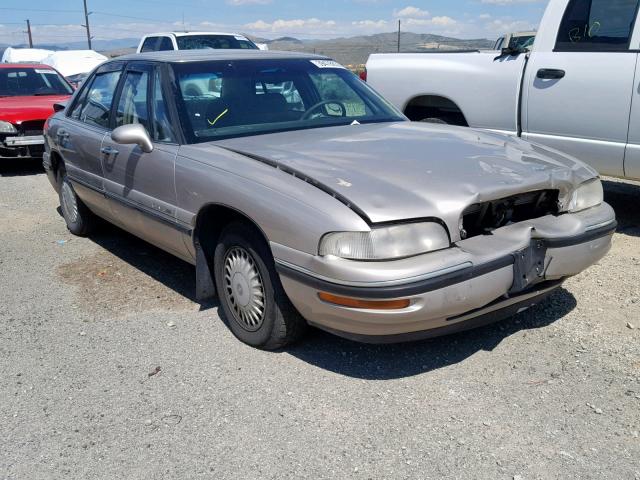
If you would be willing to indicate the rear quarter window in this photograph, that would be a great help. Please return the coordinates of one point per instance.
(149, 45)
(597, 25)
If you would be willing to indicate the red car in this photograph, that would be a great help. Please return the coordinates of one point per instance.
(27, 95)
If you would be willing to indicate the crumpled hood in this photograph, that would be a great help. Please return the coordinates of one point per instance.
(404, 170)
(21, 109)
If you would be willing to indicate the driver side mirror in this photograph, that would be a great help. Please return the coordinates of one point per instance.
(59, 106)
(133, 134)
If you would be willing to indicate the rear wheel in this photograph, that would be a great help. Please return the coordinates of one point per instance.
(79, 219)
(252, 301)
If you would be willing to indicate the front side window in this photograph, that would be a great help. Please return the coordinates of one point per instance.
(96, 106)
(222, 99)
(28, 82)
(597, 25)
(162, 130)
(132, 106)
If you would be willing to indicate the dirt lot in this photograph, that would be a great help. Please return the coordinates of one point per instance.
(110, 370)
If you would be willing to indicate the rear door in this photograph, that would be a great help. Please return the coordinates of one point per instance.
(580, 81)
(140, 185)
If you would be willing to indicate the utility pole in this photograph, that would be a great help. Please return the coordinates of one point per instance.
(86, 23)
(29, 32)
(399, 22)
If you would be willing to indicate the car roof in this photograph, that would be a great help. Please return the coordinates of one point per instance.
(185, 56)
(26, 65)
(186, 34)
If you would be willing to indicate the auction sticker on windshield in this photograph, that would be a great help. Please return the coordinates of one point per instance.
(326, 64)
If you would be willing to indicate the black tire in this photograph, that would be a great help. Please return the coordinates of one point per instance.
(435, 120)
(279, 323)
(83, 222)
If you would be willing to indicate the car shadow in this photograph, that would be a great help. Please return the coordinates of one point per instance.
(20, 168)
(624, 198)
(385, 362)
(163, 267)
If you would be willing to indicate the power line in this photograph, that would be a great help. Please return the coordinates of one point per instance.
(37, 10)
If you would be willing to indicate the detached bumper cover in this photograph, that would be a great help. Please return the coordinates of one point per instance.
(479, 280)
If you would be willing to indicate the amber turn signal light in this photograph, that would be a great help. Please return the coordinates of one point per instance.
(364, 304)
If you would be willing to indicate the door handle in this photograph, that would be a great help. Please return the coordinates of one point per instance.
(109, 151)
(62, 134)
(551, 74)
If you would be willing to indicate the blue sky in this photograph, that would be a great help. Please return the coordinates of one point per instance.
(60, 20)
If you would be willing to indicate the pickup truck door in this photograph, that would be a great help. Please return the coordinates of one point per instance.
(141, 186)
(580, 80)
(632, 155)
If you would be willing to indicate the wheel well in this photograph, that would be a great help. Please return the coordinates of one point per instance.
(435, 106)
(211, 221)
(56, 162)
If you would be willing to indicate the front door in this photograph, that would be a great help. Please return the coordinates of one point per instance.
(579, 90)
(140, 185)
(80, 135)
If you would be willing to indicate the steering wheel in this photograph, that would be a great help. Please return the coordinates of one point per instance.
(343, 108)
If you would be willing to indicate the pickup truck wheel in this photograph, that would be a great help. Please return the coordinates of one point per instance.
(434, 120)
(80, 220)
(252, 301)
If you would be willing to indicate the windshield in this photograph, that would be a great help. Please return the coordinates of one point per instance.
(199, 42)
(16, 82)
(223, 99)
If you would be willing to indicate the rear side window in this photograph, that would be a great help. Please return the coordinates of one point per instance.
(132, 107)
(597, 25)
(150, 45)
(165, 44)
(97, 103)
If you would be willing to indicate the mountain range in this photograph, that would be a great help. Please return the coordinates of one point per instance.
(346, 50)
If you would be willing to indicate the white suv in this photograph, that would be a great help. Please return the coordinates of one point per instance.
(156, 42)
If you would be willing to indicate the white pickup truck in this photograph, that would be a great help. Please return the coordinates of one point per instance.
(577, 90)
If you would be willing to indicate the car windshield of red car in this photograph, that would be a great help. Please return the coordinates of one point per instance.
(15, 82)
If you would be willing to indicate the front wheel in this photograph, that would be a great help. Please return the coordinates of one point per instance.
(252, 301)
(79, 219)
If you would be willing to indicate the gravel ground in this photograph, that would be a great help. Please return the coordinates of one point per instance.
(110, 370)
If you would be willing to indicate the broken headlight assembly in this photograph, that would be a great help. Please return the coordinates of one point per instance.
(589, 194)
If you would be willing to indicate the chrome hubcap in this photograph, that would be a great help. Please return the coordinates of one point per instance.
(69, 203)
(244, 289)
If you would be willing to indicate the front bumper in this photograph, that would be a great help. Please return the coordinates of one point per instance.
(22, 147)
(478, 281)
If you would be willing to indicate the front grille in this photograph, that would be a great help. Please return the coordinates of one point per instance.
(31, 127)
(483, 218)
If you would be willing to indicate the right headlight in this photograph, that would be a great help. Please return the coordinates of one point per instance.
(589, 194)
(386, 243)
(6, 127)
